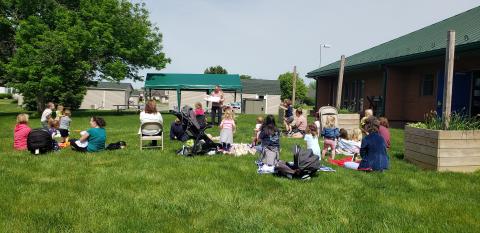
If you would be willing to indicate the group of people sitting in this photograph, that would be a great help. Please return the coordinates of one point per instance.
(368, 144)
(56, 121)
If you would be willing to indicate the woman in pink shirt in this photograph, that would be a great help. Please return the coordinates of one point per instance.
(227, 130)
(300, 124)
(21, 132)
(384, 131)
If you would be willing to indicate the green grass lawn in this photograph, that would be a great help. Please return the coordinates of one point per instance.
(7, 106)
(132, 191)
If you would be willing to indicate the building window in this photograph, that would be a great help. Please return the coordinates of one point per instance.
(426, 87)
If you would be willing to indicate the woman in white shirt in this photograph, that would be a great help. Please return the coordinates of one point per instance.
(150, 114)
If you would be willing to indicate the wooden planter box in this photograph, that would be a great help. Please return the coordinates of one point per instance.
(349, 121)
(443, 150)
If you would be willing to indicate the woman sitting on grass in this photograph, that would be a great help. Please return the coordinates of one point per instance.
(95, 137)
(269, 134)
(384, 131)
(300, 124)
(373, 150)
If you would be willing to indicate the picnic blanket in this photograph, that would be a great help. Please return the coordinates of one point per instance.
(326, 169)
(239, 149)
(340, 162)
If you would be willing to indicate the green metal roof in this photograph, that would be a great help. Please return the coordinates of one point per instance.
(165, 81)
(261, 87)
(428, 41)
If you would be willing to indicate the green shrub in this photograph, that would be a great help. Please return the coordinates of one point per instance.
(309, 101)
(458, 121)
(345, 111)
(6, 96)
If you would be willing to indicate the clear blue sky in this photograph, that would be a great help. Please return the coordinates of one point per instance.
(265, 38)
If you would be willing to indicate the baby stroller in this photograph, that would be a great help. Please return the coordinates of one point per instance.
(195, 131)
(305, 164)
(326, 111)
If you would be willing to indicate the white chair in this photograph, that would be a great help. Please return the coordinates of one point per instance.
(150, 131)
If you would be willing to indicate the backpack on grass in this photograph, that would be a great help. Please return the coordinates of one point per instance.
(39, 141)
(117, 145)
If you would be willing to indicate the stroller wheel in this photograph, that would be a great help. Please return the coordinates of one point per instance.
(306, 177)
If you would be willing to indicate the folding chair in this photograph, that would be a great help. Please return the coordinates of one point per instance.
(150, 131)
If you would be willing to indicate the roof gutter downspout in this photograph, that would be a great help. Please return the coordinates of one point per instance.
(384, 92)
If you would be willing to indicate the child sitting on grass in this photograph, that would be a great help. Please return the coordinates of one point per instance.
(346, 145)
(329, 133)
(20, 134)
(256, 131)
(311, 137)
(53, 126)
(227, 127)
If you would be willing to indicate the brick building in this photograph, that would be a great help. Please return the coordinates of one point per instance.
(403, 79)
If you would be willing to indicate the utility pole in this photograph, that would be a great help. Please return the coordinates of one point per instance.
(294, 84)
(447, 89)
(340, 83)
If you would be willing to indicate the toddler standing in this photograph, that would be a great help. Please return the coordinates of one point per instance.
(227, 127)
(256, 131)
(64, 128)
(330, 133)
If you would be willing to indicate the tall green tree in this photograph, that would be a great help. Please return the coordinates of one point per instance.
(286, 86)
(62, 46)
(215, 70)
(244, 76)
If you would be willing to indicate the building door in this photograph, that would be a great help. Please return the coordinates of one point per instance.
(460, 97)
(355, 96)
(475, 110)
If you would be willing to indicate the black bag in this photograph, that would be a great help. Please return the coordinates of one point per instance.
(117, 145)
(305, 160)
(304, 163)
(39, 141)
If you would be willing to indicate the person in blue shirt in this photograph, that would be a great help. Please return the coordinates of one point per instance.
(373, 149)
(95, 136)
(177, 132)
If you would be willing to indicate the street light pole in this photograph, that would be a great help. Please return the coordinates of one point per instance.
(323, 46)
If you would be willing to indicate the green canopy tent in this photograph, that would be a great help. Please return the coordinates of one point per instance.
(199, 82)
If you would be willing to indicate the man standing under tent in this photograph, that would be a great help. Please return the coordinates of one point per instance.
(217, 94)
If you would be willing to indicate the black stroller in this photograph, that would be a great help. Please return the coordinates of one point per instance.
(305, 164)
(195, 127)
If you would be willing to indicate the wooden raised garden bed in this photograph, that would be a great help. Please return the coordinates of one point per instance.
(349, 121)
(443, 150)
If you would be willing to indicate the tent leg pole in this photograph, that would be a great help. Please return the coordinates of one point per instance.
(179, 98)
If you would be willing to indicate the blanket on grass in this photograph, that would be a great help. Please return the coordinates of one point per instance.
(340, 162)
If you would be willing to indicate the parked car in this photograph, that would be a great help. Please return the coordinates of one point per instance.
(235, 105)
